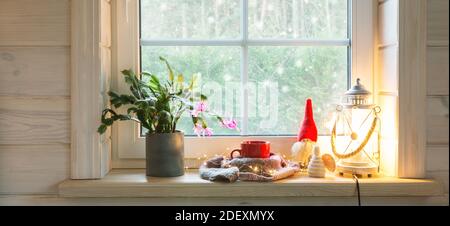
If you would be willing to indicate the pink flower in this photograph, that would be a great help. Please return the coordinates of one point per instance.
(230, 124)
(208, 132)
(194, 113)
(200, 107)
(201, 131)
(198, 129)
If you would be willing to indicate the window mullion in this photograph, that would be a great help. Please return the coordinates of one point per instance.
(243, 41)
(244, 67)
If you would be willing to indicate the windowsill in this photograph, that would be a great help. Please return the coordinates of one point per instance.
(134, 183)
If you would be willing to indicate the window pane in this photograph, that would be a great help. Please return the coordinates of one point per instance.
(220, 79)
(301, 19)
(190, 19)
(281, 78)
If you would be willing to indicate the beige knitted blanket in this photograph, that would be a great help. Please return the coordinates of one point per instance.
(247, 169)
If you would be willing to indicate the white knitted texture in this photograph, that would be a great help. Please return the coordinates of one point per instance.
(316, 168)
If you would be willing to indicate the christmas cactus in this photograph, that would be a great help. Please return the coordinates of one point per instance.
(159, 105)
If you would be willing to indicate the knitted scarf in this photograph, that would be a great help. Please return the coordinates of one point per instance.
(247, 169)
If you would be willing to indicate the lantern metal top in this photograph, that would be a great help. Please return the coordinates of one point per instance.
(358, 96)
(358, 90)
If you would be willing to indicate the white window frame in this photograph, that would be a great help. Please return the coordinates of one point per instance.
(129, 146)
(92, 31)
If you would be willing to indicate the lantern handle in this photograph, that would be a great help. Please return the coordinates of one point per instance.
(359, 148)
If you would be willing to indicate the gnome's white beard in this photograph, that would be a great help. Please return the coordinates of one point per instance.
(301, 152)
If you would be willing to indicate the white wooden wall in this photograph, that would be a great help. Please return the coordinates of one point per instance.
(34, 95)
(437, 91)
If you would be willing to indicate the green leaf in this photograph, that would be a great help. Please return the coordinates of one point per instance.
(164, 116)
(204, 125)
(127, 72)
(127, 99)
(180, 78)
(193, 81)
(113, 94)
(122, 117)
(142, 117)
(132, 110)
(135, 92)
(102, 129)
(108, 121)
(171, 74)
(152, 110)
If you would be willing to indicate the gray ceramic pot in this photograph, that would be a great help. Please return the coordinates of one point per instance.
(164, 154)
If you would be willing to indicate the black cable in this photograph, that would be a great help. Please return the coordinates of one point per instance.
(357, 189)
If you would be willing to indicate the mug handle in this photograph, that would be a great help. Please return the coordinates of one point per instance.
(235, 150)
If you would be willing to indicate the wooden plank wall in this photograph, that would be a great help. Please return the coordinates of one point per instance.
(34, 95)
(437, 91)
(105, 56)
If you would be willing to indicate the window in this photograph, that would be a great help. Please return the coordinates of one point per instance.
(258, 60)
(405, 122)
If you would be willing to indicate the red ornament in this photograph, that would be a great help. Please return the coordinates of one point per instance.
(308, 129)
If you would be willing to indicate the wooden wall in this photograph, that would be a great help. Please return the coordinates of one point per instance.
(34, 95)
(437, 91)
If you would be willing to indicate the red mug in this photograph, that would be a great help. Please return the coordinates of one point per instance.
(253, 149)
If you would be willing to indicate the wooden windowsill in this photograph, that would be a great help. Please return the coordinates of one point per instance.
(134, 183)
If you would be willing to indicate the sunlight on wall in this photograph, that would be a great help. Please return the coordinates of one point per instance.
(389, 134)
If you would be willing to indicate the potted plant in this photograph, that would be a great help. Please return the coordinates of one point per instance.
(158, 106)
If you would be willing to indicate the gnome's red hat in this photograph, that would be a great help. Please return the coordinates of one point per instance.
(308, 129)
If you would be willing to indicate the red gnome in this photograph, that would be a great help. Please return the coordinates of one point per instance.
(306, 139)
(308, 129)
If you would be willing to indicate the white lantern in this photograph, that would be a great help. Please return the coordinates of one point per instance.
(355, 137)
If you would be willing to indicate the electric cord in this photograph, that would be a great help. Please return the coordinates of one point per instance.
(357, 189)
